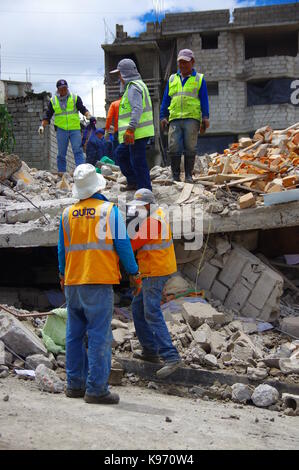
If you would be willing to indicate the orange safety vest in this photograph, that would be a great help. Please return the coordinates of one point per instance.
(157, 258)
(90, 256)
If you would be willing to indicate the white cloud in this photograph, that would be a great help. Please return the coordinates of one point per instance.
(62, 39)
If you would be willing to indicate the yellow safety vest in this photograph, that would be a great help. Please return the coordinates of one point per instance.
(89, 251)
(157, 258)
(67, 119)
(145, 127)
(184, 99)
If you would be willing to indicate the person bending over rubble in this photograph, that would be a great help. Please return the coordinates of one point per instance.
(156, 259)
(66, 106)
(92, 238)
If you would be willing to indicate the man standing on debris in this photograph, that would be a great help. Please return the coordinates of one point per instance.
(92, 238)
(135, 126)
(156, 259)
(185, 107)
(66, 107)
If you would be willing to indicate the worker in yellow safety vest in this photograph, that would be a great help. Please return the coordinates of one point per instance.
(135, 126)
(92, 239)
(156, 259)
(65, 106)
(185, 108)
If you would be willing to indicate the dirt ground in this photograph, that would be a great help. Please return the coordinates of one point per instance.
(31, 419)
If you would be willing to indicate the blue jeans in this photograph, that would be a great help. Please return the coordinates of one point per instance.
(90, 309)
(133, 164)
(183, 137)
(63, 138)
(149, 322)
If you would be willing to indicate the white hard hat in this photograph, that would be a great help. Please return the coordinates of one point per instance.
(87, 181)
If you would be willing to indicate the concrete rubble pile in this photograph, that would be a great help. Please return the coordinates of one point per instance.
(229, 333)
(211, 338)
(207, 339)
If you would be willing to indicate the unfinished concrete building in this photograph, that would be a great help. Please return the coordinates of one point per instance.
(26, 109)
(249, 60)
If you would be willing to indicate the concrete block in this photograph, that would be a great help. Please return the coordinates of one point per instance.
(47, 380)
(35, 360)
(267, 282)
(237, 297)
(196, 313)
(119, 335)
(252, 272)
(233, 267)
(289, 366)
(203, 336)
(219, 291)
(19, 338)
(256, 373)
(116, 375)
(190, 272)
(222, 245)
(207, 276)
(290, 325)
(250, 311)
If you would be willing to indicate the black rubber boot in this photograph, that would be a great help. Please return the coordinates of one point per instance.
(108, 399)
(74, 393)
(146, 357)
(175, 162)
(189, 161)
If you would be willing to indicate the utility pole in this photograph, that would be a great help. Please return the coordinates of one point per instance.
(92, 101)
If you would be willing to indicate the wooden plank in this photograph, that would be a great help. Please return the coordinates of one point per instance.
(243, 180)
(281, 197)
(185, 194)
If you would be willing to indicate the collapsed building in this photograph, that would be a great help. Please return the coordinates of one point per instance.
(249, 59)
(235, 228)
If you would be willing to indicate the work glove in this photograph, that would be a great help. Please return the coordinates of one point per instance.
(129, 137)
(107, 136)
(41, 130)
(136, 283)
(164, 123)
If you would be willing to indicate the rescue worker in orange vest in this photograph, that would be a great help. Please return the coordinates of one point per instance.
(156, 259)
(112, 121)
(92, 239)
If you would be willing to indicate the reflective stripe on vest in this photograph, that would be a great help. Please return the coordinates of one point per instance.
(145, 127)
(67, 119)
(185, 102)
(156, 246)
(89, 250)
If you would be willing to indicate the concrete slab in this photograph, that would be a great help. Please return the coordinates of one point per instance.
(189, 377)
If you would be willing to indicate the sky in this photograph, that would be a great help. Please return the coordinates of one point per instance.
(62, 38)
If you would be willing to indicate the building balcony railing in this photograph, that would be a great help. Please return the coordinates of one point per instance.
(153, 84)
